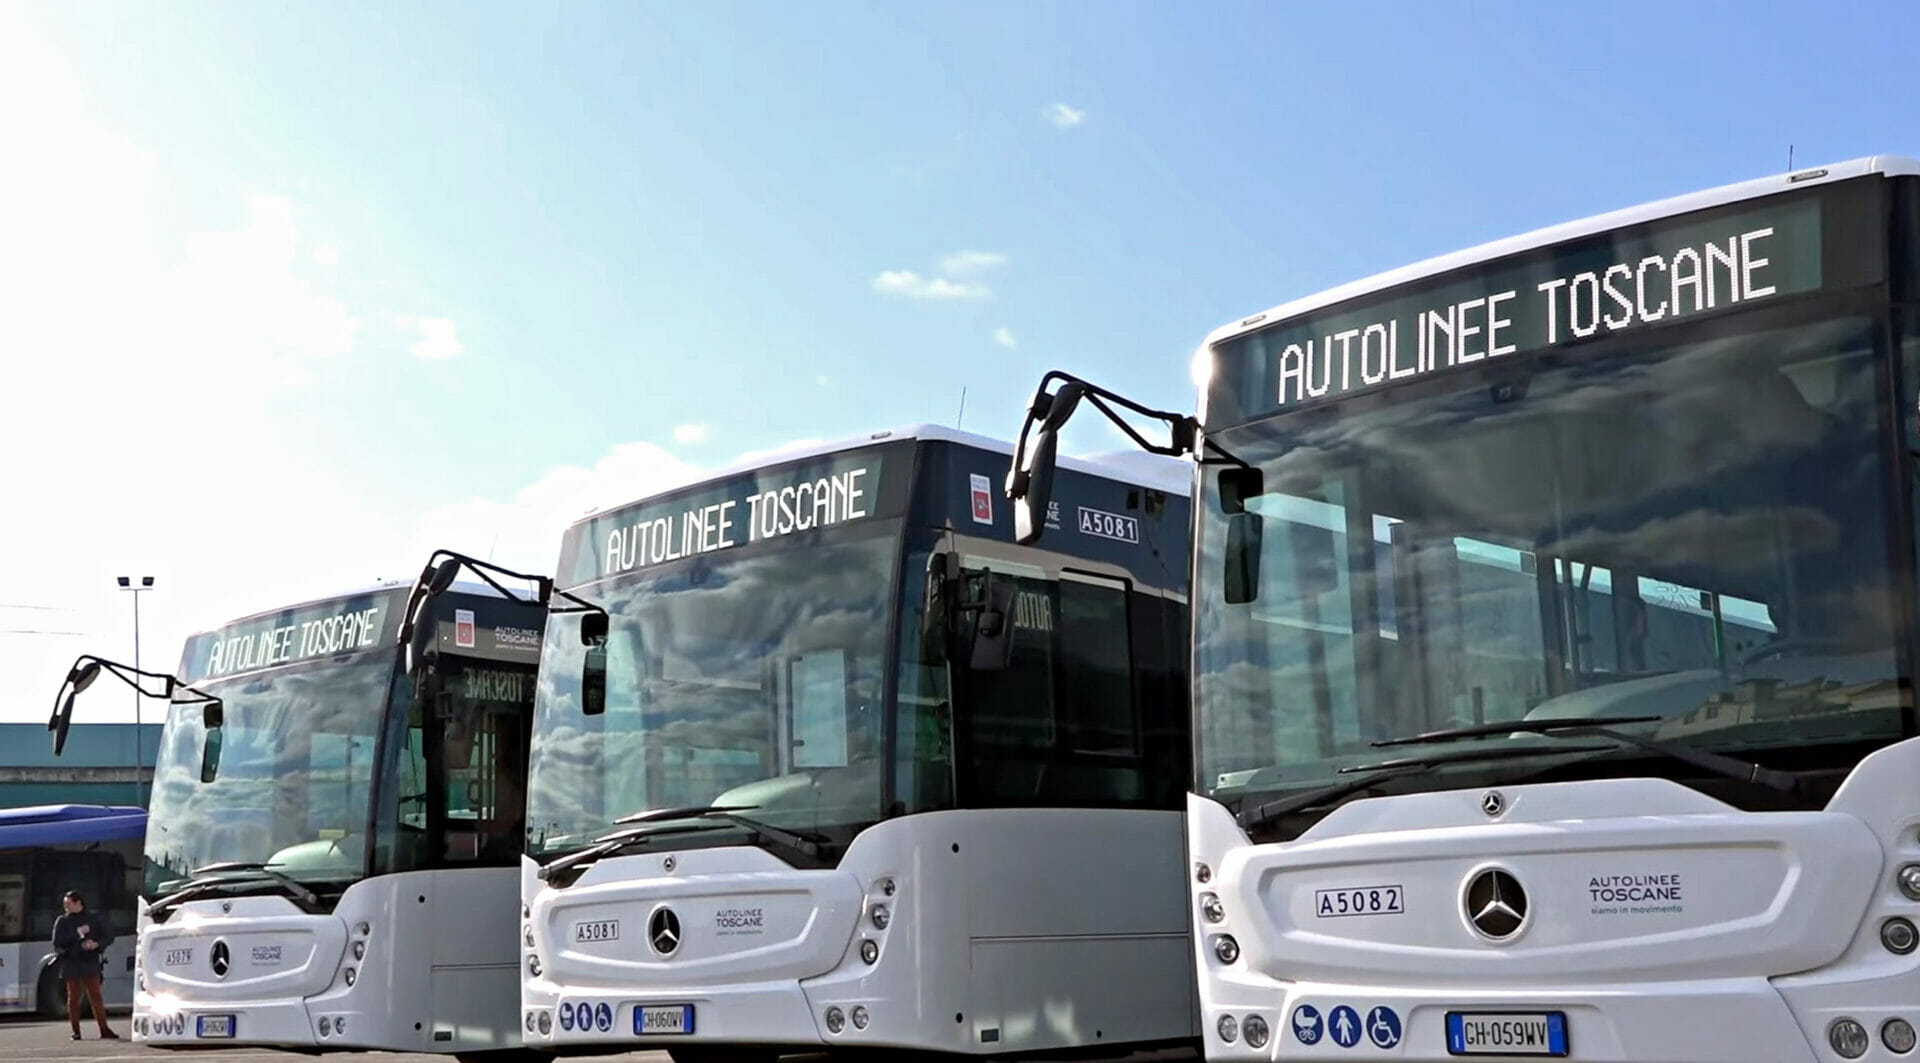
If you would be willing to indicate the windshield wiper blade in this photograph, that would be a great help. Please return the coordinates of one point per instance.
(294, 886)
(609, 844)
(1601, 727)
(215, 878)
(797, 842)
(1382, 771)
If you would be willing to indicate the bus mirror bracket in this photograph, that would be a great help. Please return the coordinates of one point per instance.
(938, 606)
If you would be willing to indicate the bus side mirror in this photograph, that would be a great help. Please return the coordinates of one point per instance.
(1237, 485)
(210, 754)
(1241, 579)
(937, 606)
(993, 628)
(593, 680)
(1030, 504)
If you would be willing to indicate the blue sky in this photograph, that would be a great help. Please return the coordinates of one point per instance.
(300, 292)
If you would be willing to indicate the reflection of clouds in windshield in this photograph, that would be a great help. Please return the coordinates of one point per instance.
(1748, 467)
(703, 669)
(297, 761)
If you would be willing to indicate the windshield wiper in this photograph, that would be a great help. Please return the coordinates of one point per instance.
(797, 842)
(1601, 727)
(215, 877)
(609, 844)
(1369, 775)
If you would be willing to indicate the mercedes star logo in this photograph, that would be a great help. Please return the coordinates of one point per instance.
(219, 959)
(663, 931)
(1496, 904)
(1492, 803)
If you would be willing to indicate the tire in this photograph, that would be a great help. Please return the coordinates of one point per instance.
(51, 999)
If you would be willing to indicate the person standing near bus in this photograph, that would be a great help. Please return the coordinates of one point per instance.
(78, 937)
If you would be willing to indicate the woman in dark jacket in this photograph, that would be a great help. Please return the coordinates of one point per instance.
(78, 937)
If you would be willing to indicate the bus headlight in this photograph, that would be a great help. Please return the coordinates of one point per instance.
(1898, 1036)
(1848, 1038)
(870, 951)
(1211, 908)
(881, 917)
(1256, 1030)
(1228, 1028)
(836, 1020)
(1226, 949)
(533, 965)
(350, 974)
(1909, 881)
(359, 950)
(1899, 936)
(860, 1017)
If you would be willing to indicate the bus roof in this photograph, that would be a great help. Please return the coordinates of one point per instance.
(1889, 165)
(1172, 475)
(22, 828)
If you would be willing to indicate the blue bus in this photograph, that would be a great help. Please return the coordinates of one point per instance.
(46, 850)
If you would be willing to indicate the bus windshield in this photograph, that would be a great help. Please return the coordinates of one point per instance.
(752, 679)
(292, 765)
(1692, 531)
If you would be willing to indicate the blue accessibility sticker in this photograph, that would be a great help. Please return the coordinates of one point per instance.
(1343, 1025)
(566, 1015)
(1383, 1027)
(1306, 1025)
(603, 1017)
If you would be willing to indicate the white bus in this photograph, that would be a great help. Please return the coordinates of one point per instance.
(336, 822)
(1554, 643)
(45, 851)
(832, 763)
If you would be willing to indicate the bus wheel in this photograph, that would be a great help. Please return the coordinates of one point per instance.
(51, 1000)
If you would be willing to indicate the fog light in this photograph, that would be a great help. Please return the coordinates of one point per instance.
(1256, 1030)
(339, 1025)
(533, 966)
(881, 917)
(1211, 908)
(1227, 949)
(350, 974)
(1202, 873)
(1897, 1035)
(1899, 936)
(1228, 1029)
(870, 951)
(359, 950)
(836, 1020)
(529, 1022)
(546, 1023)
(1848, 1038)
(859, 1016)
(1909, 880)
(326, 1026)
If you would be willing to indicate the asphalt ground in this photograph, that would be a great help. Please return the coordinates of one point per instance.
(41, 1041)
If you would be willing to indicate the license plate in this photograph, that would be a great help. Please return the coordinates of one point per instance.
(598, 930)
(213, 1026)
(1507, 1033)
(663, 1018)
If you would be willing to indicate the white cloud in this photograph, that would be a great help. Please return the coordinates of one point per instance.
(961, 263)
(1004, 338)
(690, 433)
(1064, 116)
(906, 282)
(437, 338)
(326, 256)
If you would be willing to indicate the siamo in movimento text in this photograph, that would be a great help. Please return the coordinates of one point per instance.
(1619, 296)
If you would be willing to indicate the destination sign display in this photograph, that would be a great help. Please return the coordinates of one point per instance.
(1604, 286)
(835, 490)
(325, 629)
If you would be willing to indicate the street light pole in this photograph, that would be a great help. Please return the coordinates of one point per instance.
(139, 751)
